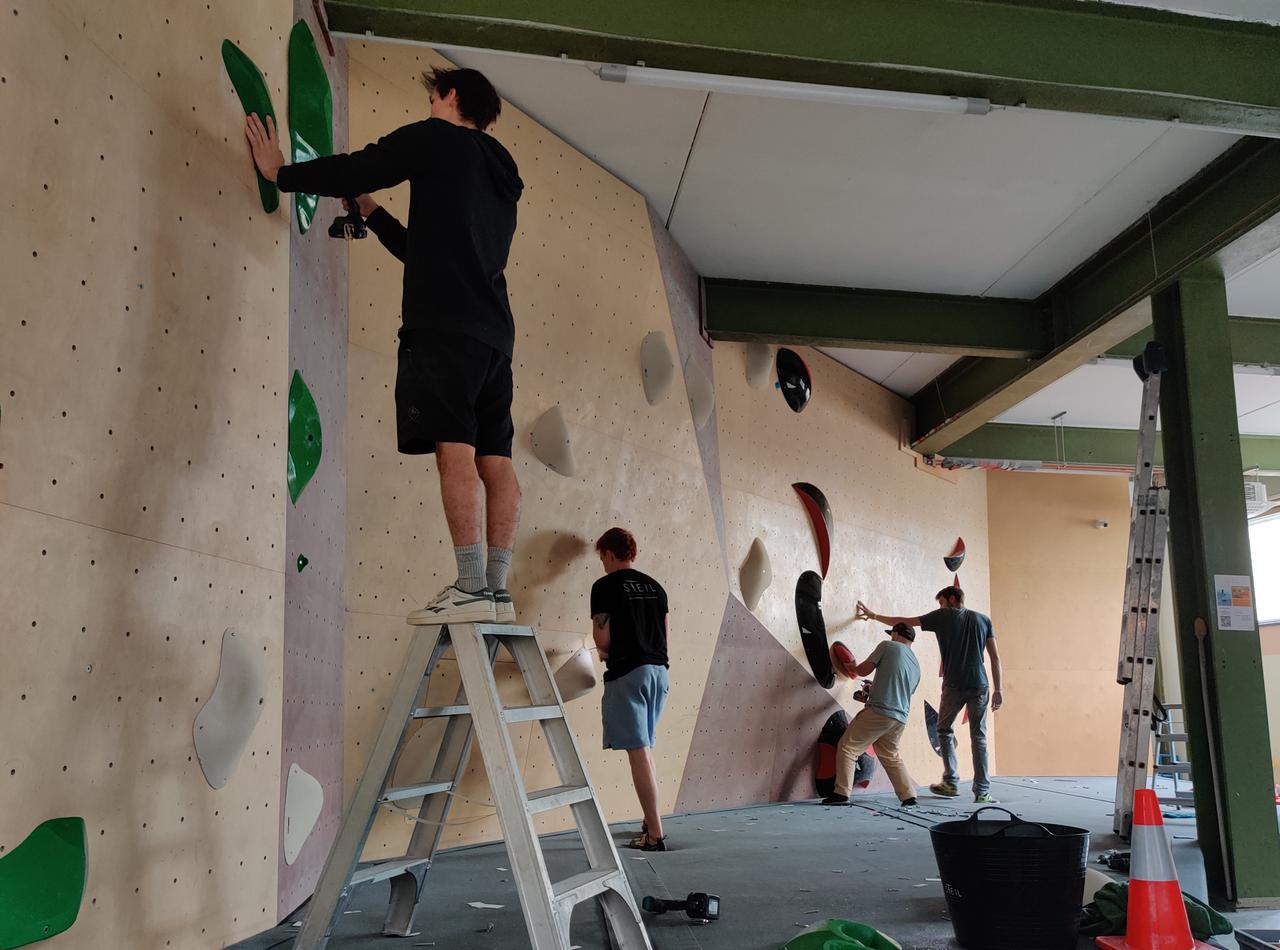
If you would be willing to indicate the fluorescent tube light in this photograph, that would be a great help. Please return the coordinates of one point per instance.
(780, 89)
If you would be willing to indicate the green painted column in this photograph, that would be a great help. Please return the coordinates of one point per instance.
(1208, 537)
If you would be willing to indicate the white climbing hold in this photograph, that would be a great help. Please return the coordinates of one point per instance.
(759, 363)
(223, 726)
(702, 395)
(550, 441)
(576, 676)
(755, 575)
(656, 366)
(303, 798)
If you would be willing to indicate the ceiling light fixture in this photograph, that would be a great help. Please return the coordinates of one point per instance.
(781, 89)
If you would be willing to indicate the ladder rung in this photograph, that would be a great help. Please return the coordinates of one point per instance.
(531, 713)
(503, 630)
(416, 791)
(385, 870)
(581, 887)
(548, 798)
(1178, 800)
(1182, 768)
(1171, 737)
(437, 712)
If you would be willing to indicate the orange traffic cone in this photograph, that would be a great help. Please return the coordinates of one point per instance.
(1157, 918)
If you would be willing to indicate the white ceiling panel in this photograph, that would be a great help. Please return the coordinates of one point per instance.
(1262, 11)
(903, 373)
(865, 197)
(908, 378)
(876, 365)
(1256, 292)
(642, 135)
(1108, 395)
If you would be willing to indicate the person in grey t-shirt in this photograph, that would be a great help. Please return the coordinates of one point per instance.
(881, 724)
(964, 636)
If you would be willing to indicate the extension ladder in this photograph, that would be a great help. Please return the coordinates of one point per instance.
(1140, 626)
(477, 709)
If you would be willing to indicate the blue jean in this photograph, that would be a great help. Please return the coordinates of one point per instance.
(954, 700)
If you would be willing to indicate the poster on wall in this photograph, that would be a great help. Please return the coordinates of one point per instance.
(1233, 596)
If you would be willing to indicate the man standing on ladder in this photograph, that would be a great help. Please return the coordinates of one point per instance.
(629, 625)
(963, 636)
(453, 381)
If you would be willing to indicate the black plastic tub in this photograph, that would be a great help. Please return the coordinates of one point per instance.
(1012, 884)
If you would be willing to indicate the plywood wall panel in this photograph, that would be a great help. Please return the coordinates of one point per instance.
(142, 452)
(586, 288)
(1057, 586)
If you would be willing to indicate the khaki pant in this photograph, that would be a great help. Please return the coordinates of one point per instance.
(871, 728)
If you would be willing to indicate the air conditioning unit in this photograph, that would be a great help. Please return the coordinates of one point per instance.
(1255, 498)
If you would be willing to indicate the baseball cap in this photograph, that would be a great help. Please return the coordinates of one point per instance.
(903, 629)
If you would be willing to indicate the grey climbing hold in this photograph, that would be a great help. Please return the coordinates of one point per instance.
(224, 724)
(576, 676)
(759, 363)
(755, 575)
(303, 799)
(656, 366)
(550, 443)
(702, 394)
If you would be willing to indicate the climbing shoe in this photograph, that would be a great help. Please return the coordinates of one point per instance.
(984, 799)
(945, 789)
(649, 844)
(836, 799)
(911, 802)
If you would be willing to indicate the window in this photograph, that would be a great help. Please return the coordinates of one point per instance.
(1264, 540)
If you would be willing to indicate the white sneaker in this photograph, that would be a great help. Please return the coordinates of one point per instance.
(453, 605)
(504, 609)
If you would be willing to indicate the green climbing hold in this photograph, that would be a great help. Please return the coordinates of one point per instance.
(310, 112)
(42, 882)
(304, 437)
(837, 934)
(252, 90)
(302, 562)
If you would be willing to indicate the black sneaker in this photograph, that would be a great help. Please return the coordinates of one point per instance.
(910, 802)
(836, 799)
(648, 844)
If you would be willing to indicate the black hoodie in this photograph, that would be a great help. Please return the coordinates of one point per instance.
(463, 189)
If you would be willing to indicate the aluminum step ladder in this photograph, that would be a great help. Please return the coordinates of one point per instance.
(477, 710)
(1170, 761)
(1140, 626)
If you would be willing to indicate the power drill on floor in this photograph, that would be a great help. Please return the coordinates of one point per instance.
(700, 906)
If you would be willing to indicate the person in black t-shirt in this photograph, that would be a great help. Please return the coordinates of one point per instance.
(629, 625)
(453, 381)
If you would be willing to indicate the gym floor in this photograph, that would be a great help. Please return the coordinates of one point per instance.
(776, 868)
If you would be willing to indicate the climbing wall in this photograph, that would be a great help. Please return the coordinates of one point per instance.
(586, 289)
(315, 528)
(893, 522)
(142, 482)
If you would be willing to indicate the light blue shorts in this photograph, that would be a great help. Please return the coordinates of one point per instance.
(632, 705)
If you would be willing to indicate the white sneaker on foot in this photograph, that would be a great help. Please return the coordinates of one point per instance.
(453, 605)
(504, 609)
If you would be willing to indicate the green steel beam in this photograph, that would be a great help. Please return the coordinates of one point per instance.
(1255, 341)
(1064, 55)
(874, 319)
(1105, 301)
(1085, 446)
(1226, 712)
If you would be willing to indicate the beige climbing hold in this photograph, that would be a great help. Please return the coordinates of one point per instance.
(576, 676)
(755, 575)
(759, 362)
(656, 366)
(550, 440)
(702, 395)
(303, 799)
(225, 723)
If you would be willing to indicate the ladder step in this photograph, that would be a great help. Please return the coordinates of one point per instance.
(1178, 800)
(503, 630)
(1171, 737)
(416, 791)
(548, 798)
(438, 712)
(584, 886)
(1182, 768)
(531, 713)
(385, 870)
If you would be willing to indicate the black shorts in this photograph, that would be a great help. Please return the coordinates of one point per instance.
(452, 388)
